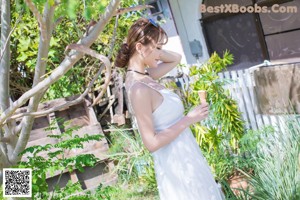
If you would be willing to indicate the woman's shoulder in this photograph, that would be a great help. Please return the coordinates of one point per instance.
(136, 87)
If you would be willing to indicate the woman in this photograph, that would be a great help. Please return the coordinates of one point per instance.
(182, 172)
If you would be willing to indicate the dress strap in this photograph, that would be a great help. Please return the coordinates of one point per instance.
(144, 84)
(129, 91)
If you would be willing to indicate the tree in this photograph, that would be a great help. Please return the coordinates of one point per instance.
(13, 137)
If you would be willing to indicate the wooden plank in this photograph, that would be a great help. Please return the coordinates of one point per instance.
(119, 117)
(79, 115)
(92, 146)
(230, 86)
(73, 177)
(91, 130)
(276, 87)
(108, 179)
(105, 179)
(246, 97)
(240, 98)
(266, 120)
(275, 122)
(90, 113)
(110, 109)
(103, 156)
(56, 102)
(75, 114)
(99, 149)
(250, 85)
(42, 141)
(53, 122)
(37, 134)
(281, 123)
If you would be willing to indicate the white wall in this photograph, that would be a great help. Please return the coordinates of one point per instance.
(168, 24)
(186, 15)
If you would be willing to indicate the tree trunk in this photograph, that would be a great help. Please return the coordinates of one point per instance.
(66, 64)
(4, 75)
(40, 69)
(12, 144)
(5, 53)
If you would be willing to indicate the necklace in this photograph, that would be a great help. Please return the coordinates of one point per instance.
(146, 73)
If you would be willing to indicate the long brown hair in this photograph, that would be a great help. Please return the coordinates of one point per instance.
(143, 31)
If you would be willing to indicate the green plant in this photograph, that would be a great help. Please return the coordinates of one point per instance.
(106, 192)
(230, 195)
(219, 134)
(148, 177)
(134, 163)
(1, 194)
(56, 161)
(225, 118)
(72, 20)
(276, 164)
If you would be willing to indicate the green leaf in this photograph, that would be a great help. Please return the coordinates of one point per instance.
(71, 10)
(24, 44)
(22, 57)
(51, 2)
(87, 13)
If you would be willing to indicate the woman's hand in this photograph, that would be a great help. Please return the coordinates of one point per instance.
(199, 113)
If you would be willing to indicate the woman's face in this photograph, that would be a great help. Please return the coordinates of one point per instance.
(152, 54)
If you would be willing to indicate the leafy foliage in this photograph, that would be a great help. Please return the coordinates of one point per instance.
(225, 119)
(134, 162)
(276, 163)
(218, 135)
(57, 161)
(72, 18)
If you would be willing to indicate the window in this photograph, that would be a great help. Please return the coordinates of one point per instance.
(156, 7)
(253, 37)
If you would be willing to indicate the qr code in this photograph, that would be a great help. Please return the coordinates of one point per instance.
(17, 182)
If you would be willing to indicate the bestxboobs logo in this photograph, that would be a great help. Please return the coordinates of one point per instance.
(235, 8)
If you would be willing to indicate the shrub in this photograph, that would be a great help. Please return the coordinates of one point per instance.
(276, 164)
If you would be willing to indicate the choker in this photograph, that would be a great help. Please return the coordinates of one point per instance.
(131, 70)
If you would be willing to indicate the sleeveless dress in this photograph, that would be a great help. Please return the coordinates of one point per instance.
(181, 171)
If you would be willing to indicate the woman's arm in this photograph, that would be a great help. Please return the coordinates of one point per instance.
(141, 103)
(169, 60)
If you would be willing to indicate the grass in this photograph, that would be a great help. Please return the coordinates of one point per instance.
(276, 164)
(129, 191)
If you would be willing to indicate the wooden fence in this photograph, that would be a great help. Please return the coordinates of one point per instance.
(241, 86)
(275, 87)
(242, 89)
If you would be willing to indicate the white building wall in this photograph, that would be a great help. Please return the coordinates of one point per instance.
(168, 24)
(186, 16)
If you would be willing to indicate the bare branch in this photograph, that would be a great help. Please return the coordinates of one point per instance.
(60, 19)
(86, 50)
(107, 108)
(135, 8)
(61, 107)
(111, 50)
(100, 57)
(113, 39)
(66, 64)
(91, 52)
(38, 16)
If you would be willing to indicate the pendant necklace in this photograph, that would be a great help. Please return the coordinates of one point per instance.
(146, 73)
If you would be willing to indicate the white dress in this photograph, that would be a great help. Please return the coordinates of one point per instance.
(182, 173)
